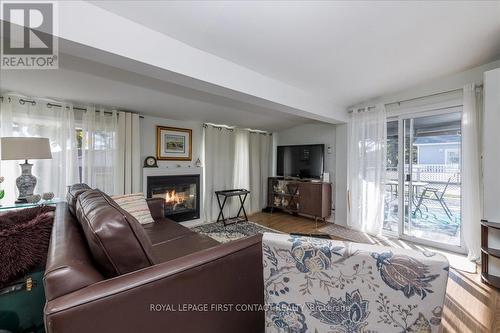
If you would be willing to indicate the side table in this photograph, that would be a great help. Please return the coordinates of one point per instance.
(487, 252)
(12, 205)
(242, 196)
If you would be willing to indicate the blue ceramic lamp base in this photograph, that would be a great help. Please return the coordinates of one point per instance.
(25, 183)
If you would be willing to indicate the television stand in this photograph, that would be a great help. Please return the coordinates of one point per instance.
(300, 197)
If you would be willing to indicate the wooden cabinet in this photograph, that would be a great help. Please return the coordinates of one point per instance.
(303, 197)
(315, 199)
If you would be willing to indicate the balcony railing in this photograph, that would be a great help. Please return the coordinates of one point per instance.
(435, 212)
(439, 173)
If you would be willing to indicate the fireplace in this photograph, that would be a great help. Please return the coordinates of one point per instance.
(181, 194)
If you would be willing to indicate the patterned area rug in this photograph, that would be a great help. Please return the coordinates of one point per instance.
(231, 232)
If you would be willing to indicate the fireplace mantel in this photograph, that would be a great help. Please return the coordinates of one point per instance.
(182, 171)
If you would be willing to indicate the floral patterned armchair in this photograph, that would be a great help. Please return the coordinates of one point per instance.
(318, 285)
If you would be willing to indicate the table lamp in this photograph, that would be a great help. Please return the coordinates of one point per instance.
(16, 148)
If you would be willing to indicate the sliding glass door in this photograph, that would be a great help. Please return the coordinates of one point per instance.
(391, 211)
(423, 192)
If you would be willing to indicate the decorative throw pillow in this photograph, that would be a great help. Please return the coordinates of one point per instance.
(24, 241)
(136, 205)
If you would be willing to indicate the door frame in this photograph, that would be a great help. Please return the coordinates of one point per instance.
(400, 117)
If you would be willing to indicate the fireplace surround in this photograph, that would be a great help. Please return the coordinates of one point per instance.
(181, 194)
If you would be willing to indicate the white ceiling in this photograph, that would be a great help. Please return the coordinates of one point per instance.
(86, 82)
(330, 54)
(348, 52)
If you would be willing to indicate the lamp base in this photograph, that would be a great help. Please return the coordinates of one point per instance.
(25, 183)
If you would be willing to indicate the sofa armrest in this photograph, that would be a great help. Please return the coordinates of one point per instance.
(216, 281)
(156, 207)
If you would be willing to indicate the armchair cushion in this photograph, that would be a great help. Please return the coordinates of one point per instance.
(319, 285)
(116, 239)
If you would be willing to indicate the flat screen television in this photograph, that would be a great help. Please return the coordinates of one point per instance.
(304, 161)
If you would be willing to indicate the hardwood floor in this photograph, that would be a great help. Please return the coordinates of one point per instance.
(470, 306)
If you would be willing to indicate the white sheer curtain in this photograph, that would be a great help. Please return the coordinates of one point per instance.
(128, 166)
(40, 119)
(471, 182)
(259, 158)
(109, 157)
(235, 158)
(366, 169)
(219, 151)
(241, 168)
(99, 153)
(111, 154)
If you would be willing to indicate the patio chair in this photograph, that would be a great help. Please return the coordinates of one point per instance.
(436, 194)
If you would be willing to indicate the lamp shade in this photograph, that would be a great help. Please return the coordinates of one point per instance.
(16, 148)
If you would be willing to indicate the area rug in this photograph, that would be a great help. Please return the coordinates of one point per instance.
(231, 232)
(457, 261)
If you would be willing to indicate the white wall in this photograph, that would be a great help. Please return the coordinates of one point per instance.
(148, 140)
(310, 134)
(491, 161)
(443, 84)
(491, 141)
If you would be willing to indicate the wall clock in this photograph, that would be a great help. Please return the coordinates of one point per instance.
(150, 162)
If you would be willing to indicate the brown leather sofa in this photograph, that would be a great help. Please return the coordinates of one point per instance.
(107, 273)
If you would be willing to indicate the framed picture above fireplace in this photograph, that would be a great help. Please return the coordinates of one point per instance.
(173, 144)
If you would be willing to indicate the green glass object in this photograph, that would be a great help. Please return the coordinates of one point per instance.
(2, 194)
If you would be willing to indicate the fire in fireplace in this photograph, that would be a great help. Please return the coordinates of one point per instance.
(181, 195)
(178, 202)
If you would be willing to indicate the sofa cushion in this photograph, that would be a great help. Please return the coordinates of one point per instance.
(73, 192)
(116, 239)
(182, 246)
(165, 230)
(136, 205)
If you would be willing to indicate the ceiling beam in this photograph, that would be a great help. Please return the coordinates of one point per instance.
(101, 35)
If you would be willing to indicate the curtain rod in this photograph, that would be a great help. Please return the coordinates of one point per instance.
(414, 98)
(219, 127)
(205, 125)
(23, 101)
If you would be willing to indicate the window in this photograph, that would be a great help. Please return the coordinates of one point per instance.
(96, 151)
(79, 151)
(452, 156)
